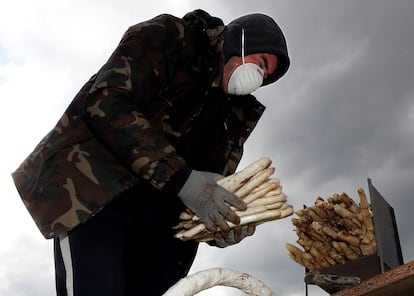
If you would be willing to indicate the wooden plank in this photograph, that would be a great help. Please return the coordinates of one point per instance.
(398, 281)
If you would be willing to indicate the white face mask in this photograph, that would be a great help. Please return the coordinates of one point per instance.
(246, 78)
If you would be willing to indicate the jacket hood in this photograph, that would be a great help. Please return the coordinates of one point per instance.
(262, 35)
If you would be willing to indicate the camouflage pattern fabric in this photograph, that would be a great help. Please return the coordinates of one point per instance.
(126, 122)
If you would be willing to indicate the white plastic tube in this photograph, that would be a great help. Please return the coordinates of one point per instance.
(202, 280)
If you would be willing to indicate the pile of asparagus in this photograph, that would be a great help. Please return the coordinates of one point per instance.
(334, 231)
(254, 184)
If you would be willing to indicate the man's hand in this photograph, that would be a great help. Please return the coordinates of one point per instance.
(209, 201)
(234, 236)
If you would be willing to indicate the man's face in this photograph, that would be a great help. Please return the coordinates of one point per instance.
(267, 61)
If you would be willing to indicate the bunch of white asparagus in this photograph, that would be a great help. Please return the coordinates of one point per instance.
(334, 231)
(262, 194)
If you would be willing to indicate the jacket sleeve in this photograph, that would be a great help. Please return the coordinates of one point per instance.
(115, 108)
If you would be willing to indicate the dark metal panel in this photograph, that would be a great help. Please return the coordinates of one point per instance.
(386, 231)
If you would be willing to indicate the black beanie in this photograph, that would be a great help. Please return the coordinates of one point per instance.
(261, 35)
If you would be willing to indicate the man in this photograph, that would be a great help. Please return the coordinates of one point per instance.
(147, 136)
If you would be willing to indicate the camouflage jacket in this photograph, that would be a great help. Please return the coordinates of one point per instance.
(152, 113)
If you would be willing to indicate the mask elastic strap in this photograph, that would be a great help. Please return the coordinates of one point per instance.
(242, 45)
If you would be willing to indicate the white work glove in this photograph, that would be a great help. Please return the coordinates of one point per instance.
(209, 201)
(234, 236)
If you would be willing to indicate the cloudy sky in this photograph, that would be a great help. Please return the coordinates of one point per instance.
(343, 113)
